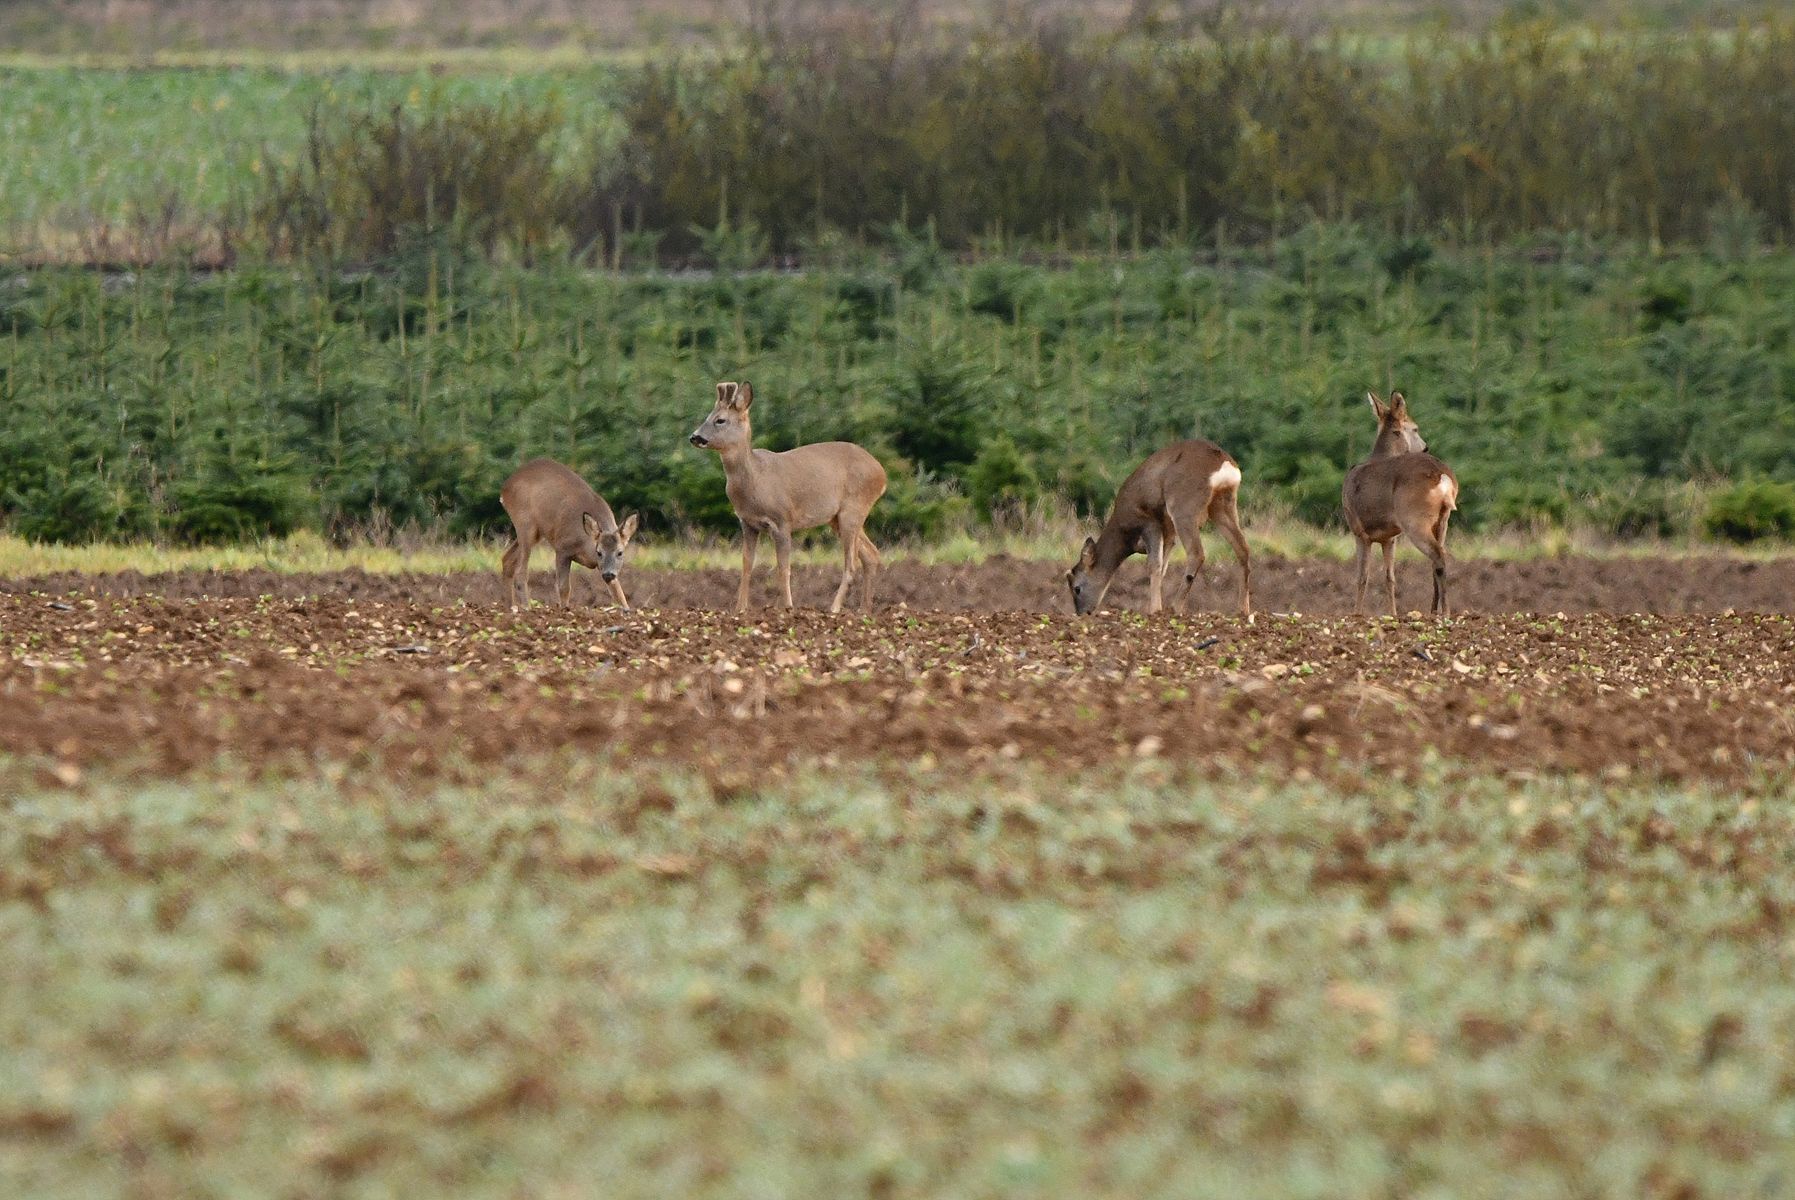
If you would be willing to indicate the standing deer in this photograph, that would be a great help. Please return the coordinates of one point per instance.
(780, 493)
(547, 502)
(1167, 499)
(1400, 489)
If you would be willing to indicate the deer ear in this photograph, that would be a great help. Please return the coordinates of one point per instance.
(724, 392)
(589, 525)
(744, 396)
(1087, 556)
(1377, 406)
(1398, 405)
(627, 530)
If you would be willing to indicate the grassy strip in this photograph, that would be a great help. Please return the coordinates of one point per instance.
(1132, 984)
(511, 60)
(307, 553)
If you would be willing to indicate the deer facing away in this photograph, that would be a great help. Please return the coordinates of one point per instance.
(1401, 489)
(780, 493)
(1166, 500)
(548, 502)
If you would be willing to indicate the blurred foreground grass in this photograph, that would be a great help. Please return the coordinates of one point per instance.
(584, 980)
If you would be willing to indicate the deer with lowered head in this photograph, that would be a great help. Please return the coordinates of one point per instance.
(1401, 489)
(779, 493)
(1165, 501)
(548, 502)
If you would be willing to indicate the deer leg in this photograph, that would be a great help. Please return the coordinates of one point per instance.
(1390, 572)
(782, 547)
(850, 554)
(1364, 565)
(869, 567)
(616, 586)
(750, 543)
(1224, 510)
(1440, 563)
(508, 569)
(1156, 567)
(1186, 523)
(1433, 544)
(564, 580)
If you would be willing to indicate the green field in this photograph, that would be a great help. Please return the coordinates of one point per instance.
(88, 147)
(902, 986)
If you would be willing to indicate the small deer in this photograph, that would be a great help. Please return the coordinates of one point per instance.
(1400, 489)
(547, 502)
(780, 493)
(1166, 500)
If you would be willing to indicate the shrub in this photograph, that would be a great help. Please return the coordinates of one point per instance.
(237, 501)
(365, 180)
(71, 508)
(1001, 478)
(1313, 490)
(915, 505)
(1528, 504)
(938, 404)
(1748, 512)
(1047, 137)
(1636, 509)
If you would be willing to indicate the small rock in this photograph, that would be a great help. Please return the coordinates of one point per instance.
(1310, 719)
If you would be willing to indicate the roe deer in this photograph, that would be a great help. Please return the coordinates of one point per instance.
(1166, 500)
(825, 483)
(547, 502)
(1400, 489)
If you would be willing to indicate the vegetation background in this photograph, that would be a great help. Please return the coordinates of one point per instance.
(349, 289)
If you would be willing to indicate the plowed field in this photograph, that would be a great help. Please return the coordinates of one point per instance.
(428, 674)
(355, 885)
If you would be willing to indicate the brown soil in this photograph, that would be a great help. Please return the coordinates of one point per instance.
(354, 674)
(1002, 584)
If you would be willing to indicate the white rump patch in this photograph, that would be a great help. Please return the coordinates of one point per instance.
(1448, 491)
(1226, 476)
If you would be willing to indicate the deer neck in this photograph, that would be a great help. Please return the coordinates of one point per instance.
(738, 460)
(1114, 545)
(1390, 443)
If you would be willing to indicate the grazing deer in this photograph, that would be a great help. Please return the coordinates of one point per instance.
(1167, 499)
(547, 502)
(779, 493)
(1400, 489)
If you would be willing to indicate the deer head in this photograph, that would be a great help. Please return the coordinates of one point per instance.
(1397, 432)
(727, 428)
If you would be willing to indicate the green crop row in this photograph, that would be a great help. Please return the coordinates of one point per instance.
(1592, 385)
